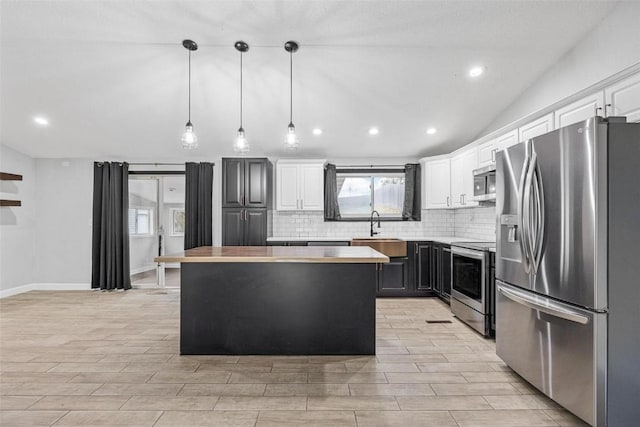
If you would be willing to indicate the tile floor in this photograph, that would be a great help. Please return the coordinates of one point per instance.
(95, 358)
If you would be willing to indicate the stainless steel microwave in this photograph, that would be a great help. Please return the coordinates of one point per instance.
(484, 183)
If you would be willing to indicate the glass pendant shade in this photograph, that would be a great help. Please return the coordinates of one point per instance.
(241, 145)
(189, 137)
(291, 140)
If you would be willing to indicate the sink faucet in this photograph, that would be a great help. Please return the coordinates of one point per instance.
(373, 233)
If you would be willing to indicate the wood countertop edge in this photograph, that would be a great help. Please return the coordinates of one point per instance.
(280, 259)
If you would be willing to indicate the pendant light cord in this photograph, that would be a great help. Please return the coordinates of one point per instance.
(291, 86)
(189, 86)
(241, 89)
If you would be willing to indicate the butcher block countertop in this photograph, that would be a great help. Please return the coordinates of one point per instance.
(303, 254)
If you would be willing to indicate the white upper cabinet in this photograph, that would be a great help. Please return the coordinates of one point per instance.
(437, 184)
(462, 166)
(623, 99)
(536, 128)
(507, 140)
(580, 110)
(300, 185)
(487, 153)
(311, 177)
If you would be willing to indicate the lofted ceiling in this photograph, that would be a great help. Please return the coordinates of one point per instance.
(111, 76)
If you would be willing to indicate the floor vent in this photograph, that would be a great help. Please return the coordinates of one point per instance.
(438, 321)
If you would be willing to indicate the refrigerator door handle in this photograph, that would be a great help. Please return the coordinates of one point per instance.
(538, 215)
(523, 238)
(548, 308)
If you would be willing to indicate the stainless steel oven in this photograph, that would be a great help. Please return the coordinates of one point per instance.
(470, 279)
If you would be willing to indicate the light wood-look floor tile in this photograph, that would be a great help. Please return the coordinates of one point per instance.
(306, 418)
(100, 358)
(405, 419)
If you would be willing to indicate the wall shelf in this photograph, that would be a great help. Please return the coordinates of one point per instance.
(10, 202)
(4, 176)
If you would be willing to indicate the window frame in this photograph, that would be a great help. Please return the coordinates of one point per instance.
(172, 213)
(370, 173)
(150, 213)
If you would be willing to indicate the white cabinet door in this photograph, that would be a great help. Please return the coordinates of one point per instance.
(462, 166)
(487, 153)
(287, 198)
(507, 140)
(311, 184)
(536, 128)
(624, 98)
(437, 184)
(580, 110)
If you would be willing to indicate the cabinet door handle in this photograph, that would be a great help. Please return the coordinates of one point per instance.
(461, 199)
(448, 200)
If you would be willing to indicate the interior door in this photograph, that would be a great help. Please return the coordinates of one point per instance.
(156, 227)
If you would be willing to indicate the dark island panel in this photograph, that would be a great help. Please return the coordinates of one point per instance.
(278, 308)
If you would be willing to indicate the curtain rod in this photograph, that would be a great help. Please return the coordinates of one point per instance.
(370, 166)
(156, 164)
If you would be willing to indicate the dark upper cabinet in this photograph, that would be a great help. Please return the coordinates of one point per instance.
(232, 182)
(245, 182)
(244, 227)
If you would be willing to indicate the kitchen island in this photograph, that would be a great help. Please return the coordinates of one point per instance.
(269, 300)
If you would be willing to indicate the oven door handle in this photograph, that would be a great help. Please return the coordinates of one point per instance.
(468, 253)
(550, 309)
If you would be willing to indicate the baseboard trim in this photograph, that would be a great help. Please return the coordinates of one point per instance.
(45, 287)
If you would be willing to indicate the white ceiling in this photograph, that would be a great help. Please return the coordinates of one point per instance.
(112, 76)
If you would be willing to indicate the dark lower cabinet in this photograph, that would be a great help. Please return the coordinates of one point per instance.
(288, 243)
(244, 227)
(445, 272)
(393, 277)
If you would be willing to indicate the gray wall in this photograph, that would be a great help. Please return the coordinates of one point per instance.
(17, 224)
(63, 230)
(613, 46)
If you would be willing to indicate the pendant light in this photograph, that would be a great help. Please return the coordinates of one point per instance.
(291, 140)
(189, 138)
(241, 145)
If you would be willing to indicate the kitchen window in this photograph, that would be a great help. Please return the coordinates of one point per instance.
(361, 192)
(140, 221)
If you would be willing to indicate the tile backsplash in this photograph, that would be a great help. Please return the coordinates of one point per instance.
(475, 223)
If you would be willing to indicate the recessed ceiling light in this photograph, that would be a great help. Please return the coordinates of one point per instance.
(317, 131)
(42, 121)
(374, 131)
(476, 71)
(431, 131)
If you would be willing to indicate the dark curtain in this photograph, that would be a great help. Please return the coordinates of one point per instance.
(412, 203)
(331, 208)
(197, 205)
(110, 240)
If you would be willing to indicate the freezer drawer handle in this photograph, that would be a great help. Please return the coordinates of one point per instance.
(557, 312)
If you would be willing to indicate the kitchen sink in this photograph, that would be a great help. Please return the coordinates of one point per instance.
(388, 246)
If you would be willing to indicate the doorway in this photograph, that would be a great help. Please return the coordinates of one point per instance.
(156, 227)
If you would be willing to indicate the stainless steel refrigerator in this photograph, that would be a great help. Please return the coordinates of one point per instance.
(568, 267)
